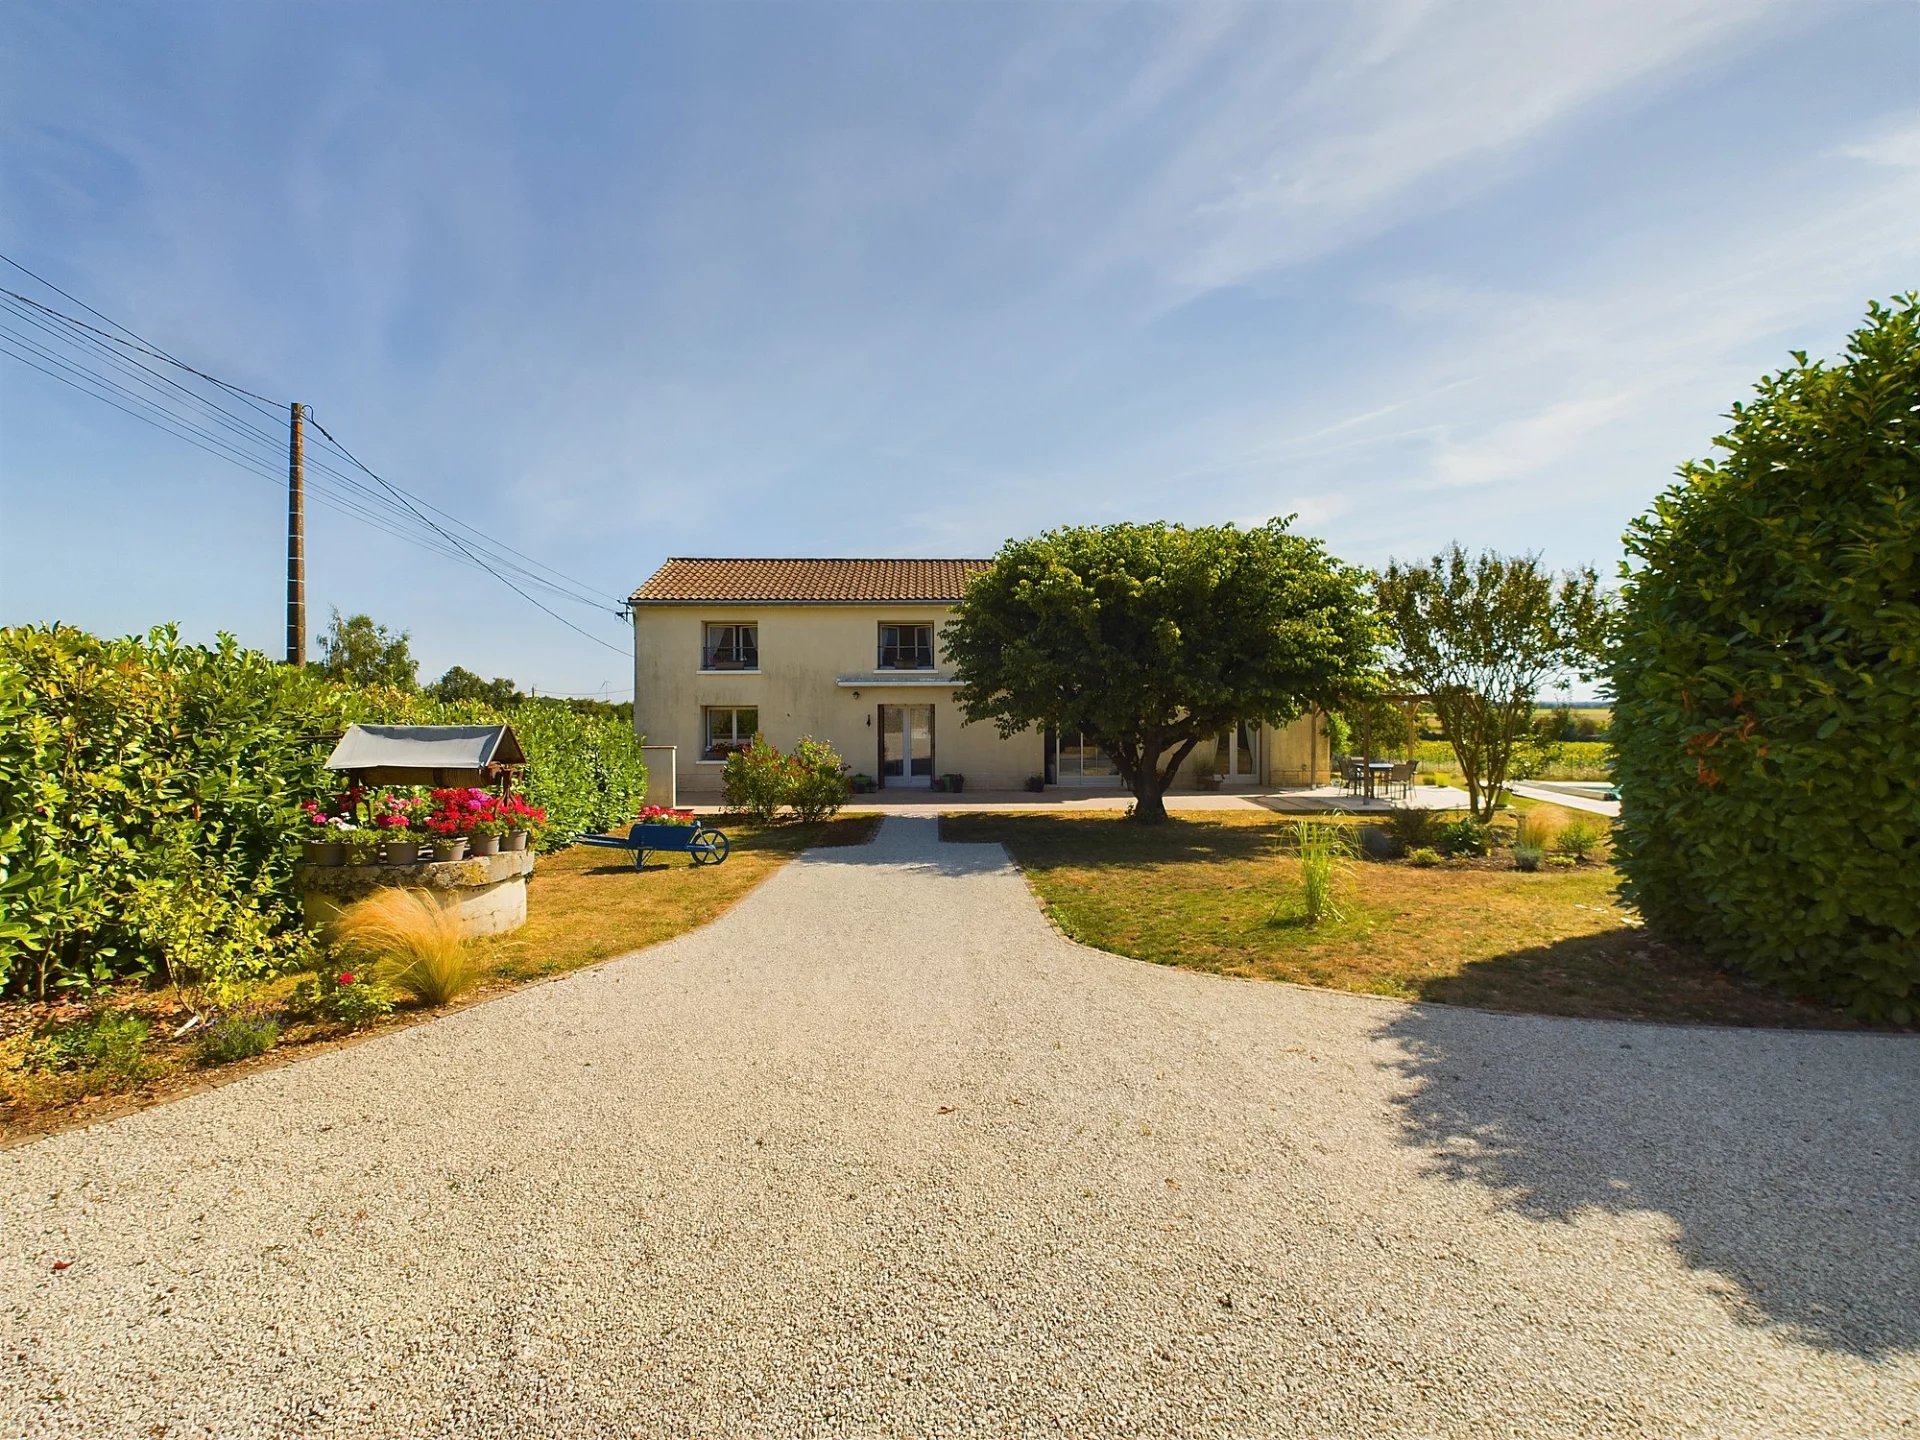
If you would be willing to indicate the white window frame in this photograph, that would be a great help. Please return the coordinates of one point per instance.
(708, 648)
(735, 738)
(897, 626)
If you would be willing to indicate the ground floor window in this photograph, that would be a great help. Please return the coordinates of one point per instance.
(1079, 760)
(727, 728)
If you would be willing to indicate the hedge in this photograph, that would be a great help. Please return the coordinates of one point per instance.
(1767, 684)
(136, 767)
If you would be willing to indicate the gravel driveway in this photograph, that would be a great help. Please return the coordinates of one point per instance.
(879, 1154)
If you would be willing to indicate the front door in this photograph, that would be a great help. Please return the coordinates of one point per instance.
(906, 745)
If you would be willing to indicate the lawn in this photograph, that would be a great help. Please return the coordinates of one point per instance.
(1217, 894)
(77, 1062)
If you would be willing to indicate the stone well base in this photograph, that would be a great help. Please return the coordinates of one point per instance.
(489, 890)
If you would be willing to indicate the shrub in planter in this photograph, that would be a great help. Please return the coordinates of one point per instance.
(1765, 681)
(1037, 784)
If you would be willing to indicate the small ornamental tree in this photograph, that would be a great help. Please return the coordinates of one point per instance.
(1767, 683)
(1481, 635)
(1154, 638)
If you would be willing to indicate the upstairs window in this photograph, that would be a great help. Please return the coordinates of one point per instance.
(906, 647)
(730, 647)
(727, 728)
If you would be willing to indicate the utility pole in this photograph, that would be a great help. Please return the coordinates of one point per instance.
(297, 542)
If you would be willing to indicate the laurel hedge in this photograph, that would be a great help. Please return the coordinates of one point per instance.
(147, 784)
(1767, 684)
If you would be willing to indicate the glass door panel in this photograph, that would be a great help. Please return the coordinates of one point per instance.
(892, 742)
(920, 742)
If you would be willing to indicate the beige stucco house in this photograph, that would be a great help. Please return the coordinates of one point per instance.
(848, 651)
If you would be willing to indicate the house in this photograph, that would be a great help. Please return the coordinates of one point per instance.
(848, 651)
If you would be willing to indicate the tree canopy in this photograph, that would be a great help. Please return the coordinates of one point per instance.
(1153, 638)
(460, 683)
(356, 651)
(1767, 683)
(1481, 635)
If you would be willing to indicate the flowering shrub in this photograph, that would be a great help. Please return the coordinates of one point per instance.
(661, 815)
(342, 997)
(760, 781)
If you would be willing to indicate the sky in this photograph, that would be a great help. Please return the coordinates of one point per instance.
(616, 282)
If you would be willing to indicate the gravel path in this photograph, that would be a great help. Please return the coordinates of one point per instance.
(879, 1154)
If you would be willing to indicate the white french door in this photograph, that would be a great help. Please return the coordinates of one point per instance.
(1236, 754)
(906, 745)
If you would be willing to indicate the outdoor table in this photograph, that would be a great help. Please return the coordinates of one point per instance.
(1375, 770)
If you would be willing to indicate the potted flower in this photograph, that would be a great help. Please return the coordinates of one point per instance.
(525, 821)
(395, 818)
(486, 822)
(1206, 776)
(955, 782)
(323, 836)
(446, 825)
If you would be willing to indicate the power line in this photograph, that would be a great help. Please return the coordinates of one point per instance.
(396, 512)
(495, 573)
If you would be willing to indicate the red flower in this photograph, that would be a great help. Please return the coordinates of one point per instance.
(346, 977)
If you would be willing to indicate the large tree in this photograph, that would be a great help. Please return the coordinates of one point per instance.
(1481, 635)
(1155, 638)
(356, 650)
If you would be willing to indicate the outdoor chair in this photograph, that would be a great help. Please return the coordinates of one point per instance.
(1402, 777)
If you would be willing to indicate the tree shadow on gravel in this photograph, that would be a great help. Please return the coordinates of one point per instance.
(1788, 1162)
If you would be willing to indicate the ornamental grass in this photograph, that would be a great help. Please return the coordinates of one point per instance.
(411, 939)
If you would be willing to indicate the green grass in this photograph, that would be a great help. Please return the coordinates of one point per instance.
(1201, 893)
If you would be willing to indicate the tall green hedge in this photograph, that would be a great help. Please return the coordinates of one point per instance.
(119, 757)
(1767, 684)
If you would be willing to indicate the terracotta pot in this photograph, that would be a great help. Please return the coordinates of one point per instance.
(485, 844)
(516, 840)
(454, 849)
(400, 852)
(324, 852)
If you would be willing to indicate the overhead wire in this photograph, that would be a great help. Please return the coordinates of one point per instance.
(391, 508)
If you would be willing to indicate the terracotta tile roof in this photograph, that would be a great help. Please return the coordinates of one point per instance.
(683, 581)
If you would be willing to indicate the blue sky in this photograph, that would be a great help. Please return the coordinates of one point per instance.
(614, 283)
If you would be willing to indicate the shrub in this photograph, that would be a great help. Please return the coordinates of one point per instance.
(110, 1044)
(1464, 836)
(760, 782)
(1528, 857)
(1579, 838)
(1562, 862)
(819, 780)
(1765, 680)
(1413, 829)
(341, 997)
(411, 939)
(237, 1035)
(1424, 856)
(213, 926)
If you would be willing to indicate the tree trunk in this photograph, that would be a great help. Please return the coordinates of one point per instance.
(1148, 785)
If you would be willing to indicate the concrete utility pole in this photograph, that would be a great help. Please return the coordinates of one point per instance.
(296, 543)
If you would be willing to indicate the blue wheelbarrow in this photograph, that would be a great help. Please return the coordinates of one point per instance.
(704, 845)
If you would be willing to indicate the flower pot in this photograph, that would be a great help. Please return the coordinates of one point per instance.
(486, 844)
(955, 783)
(324, 852)
(516, 840)
(400, 852)
(454, 849)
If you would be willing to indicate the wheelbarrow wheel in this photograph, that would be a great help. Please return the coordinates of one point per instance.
(708, 847)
